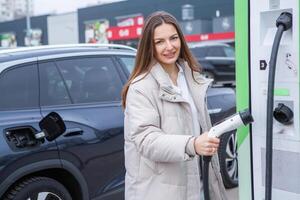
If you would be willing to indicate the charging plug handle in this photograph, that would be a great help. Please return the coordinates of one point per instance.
(286, 20)
(246, 117)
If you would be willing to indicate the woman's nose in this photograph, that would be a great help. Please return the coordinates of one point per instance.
(169, 45)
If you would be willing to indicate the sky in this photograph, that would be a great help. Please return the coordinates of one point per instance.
(41, 7)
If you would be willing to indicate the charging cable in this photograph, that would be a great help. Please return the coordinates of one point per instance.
(229, 124)
(283, 23)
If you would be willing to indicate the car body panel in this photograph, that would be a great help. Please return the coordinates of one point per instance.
(221, 103)
(98, 147)
(12, 158)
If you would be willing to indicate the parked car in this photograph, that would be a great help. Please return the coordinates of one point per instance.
(82, 83)
(217, 61)
(4, 48)
(222, 104)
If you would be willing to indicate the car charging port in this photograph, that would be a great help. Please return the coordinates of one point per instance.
(283, 114)
(21, 137)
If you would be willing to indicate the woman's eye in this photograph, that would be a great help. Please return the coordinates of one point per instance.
(174, 38)
(158, 42)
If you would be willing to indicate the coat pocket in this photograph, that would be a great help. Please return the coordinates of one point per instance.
(174, 173)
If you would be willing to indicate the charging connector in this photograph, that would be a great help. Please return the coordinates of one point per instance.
(286, 20)
(233, 122)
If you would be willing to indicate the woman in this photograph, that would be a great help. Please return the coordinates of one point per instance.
(165, 112)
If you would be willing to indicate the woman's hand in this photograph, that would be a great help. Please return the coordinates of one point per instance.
(206, 146)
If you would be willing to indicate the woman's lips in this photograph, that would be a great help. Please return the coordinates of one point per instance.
(169, 55)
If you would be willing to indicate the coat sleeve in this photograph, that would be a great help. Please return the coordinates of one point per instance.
(142, 127)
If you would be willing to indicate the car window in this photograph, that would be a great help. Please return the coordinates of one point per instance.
(215, 51)
(52, 87)
(199, 52)
(229, 51)
(128, 62)
(91, 79)
(19, 88)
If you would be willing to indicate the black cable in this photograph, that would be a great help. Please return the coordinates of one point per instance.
(269, 137)
(205, 176)
(283, 23)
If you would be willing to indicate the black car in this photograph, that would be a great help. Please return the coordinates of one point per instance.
(222, 104)
(217, 61)
(82, 83)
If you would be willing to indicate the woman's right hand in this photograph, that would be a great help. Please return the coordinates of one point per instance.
(206, 146)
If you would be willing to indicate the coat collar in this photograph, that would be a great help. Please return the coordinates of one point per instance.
(166, 89)
(169, 93)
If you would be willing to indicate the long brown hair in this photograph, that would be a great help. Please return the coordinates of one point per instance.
(145, 51)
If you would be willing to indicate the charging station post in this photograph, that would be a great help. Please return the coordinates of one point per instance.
(255, 30)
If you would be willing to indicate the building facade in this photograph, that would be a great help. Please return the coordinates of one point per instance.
(63, 28)
(122, 22)
(13, 33)
(14, 9)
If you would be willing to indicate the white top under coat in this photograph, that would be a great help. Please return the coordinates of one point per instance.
(182, 88)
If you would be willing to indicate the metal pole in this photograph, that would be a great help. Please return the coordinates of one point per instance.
(28, 25)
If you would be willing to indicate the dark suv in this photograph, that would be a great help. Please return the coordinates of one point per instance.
(82, 83)
(217, 61)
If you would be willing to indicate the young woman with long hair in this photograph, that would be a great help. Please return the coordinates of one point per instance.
(166, 119)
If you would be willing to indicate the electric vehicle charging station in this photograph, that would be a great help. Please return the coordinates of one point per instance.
(255, 30)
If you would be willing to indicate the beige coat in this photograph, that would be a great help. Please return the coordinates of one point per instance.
(160, 160)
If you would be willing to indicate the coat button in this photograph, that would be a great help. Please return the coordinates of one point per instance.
(174, 98)
(163, 95)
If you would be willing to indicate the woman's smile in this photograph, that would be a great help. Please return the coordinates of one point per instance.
(170, 55)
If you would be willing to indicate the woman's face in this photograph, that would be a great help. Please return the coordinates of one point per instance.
(166, 44)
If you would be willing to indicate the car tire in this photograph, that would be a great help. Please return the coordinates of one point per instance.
(36, 188)
(228, 159)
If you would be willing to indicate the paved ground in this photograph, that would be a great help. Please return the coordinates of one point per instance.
(233, 194)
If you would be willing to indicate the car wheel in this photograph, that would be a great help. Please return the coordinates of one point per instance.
(228, 159)
(38, 188)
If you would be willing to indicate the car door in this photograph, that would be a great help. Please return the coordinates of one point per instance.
(19, 118)
(127, 63)
(85, 91)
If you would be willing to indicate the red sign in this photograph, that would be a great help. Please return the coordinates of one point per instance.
(209, 36)
(134, 32)
(124, 33)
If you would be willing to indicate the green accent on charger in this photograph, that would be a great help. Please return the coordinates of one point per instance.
(281, 92)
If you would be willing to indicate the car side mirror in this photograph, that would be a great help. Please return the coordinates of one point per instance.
(52, 126)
